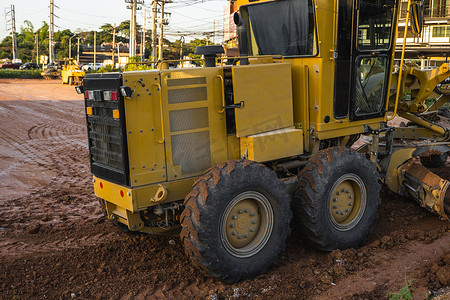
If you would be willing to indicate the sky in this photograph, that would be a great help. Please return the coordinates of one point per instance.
(188, 17)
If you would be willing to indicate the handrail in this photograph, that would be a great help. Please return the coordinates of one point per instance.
(161, 110)
(397, 96)
(159, 62)
(222, 88)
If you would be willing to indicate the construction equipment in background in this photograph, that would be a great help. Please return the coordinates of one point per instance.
(52, 70)
(71, 72)
(223, 150)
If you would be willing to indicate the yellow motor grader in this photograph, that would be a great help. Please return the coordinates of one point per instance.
(233, 151)
(71, 72)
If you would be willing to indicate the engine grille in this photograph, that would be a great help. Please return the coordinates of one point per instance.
(192, 151)
(189, 127)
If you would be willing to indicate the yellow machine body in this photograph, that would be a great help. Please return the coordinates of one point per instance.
(71, 73)
(177, 120)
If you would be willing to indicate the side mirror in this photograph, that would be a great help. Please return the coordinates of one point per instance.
(416, 13)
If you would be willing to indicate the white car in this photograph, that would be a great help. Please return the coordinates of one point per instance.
(91, 66)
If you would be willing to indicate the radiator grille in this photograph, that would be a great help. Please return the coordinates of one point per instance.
(191, 151)
(186, 81)
(188, 119)
(187, 95)
(105, 137)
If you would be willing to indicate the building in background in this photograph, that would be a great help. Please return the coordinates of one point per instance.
(432, 47)
(229, 28)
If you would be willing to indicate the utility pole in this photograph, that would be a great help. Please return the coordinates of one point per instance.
(95, 48)
(113, 45)
(36, 42)
(181, 51)
(162, 22)
(142, 50)
(51, 42)
(12, 13)
(214, 31)
(78, 51)
(154, 18)
(134, 5)
(70, 45)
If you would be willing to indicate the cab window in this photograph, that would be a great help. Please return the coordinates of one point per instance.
(283, 27)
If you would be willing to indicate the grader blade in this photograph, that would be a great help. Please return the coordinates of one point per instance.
(427, 188)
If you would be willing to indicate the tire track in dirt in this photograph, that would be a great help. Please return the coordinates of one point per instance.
(56, 143)
(10, 247)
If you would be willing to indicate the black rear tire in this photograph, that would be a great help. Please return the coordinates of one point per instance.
(236, 220)
(337, 198)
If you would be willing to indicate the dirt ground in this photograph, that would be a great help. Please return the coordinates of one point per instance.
(56, 244)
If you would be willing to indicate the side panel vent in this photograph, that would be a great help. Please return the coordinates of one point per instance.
(188, 119)
(191, 151)
(187, 95)
(186, 81)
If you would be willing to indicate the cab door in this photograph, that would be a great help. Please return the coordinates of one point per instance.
(365, 44)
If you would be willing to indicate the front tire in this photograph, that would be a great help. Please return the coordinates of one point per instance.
(337, 198)
(236, 220)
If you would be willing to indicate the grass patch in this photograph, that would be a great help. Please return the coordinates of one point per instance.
(404, 293)
(22, 74)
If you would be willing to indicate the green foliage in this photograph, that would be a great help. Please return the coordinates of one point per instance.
(29, 34)
(23, 74)
(105, 69)
(404, 293)
(137, 67)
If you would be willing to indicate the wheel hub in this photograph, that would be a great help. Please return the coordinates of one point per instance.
(246, 224)
(347, 202)
(243, 223)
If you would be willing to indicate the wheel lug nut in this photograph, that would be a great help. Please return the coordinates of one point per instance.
(252, 229)
(347, 210)
(232, 225)
(342, 213)
(343, 190)
(350, 196)
(252, 214)
(253, 221)
(338, 193)
(335, 206)
(350, 203)
(239, 236)
(338, 212)
(239, 211)
(234, 232)
(234, 217)
(246, 234)
(335, 199)
(246, 210)
(348, 191)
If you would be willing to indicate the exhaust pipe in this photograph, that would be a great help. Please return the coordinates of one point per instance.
(242, 37)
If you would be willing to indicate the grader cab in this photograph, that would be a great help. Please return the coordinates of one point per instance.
(226, 151)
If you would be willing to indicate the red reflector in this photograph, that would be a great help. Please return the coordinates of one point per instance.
(86, 94)
(121, 193)
(101, 185)
(114, 96)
